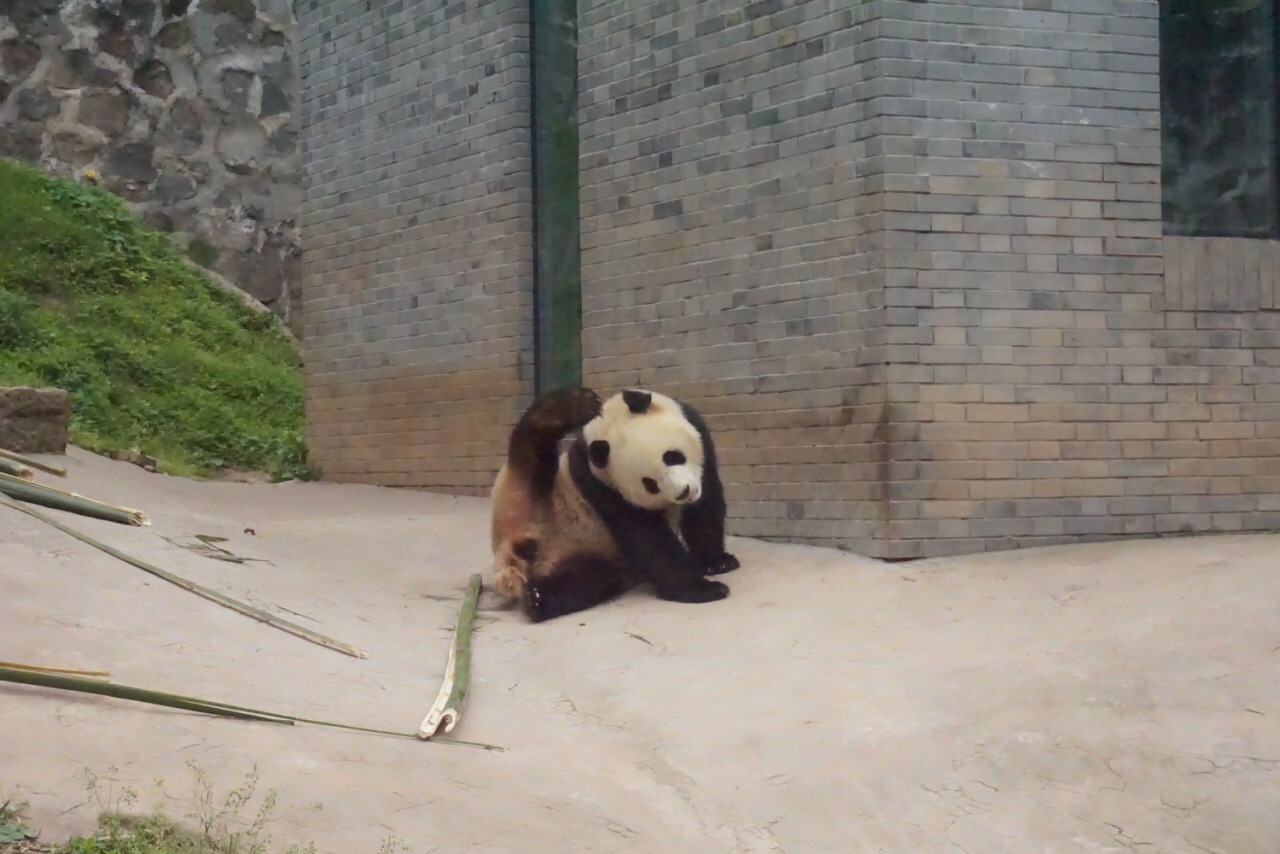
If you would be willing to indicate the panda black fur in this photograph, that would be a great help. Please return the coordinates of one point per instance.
(636, 497)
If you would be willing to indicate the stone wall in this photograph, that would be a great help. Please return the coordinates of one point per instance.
(733, 188)
(183, 107)
(418, 220)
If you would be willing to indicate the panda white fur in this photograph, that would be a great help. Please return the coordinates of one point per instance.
(635, 498)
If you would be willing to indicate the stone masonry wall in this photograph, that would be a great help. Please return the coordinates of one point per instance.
(1042, 389)
(732, 196)
(183, 107)
(418, 221)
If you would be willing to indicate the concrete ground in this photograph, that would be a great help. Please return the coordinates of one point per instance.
(1085, 699)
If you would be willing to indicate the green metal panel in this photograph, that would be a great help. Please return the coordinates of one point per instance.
(557, 274)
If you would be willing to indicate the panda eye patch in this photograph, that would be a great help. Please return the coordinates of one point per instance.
(650, 485)
(673, 458)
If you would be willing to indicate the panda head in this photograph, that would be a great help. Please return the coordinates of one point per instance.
(642, 445)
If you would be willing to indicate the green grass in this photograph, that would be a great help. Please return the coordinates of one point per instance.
(153, 354)
(214, 825)
(211, 825)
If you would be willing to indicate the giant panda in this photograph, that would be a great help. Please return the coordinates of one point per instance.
(635, 497)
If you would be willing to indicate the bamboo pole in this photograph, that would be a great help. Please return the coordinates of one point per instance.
(16, 469)
(48, 496)
(447, 708)
(24, 676)
(41, 678)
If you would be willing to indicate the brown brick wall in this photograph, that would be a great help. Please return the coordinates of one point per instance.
(418, 228)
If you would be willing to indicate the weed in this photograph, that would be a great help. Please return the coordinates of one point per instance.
(213, 825)
(12, 829)
(153, 354)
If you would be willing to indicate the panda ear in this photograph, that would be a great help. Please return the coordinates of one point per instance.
(637, 401)
(598, 451)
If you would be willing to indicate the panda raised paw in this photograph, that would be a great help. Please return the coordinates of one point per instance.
(563, 410)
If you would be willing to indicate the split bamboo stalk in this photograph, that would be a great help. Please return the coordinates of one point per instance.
(457, 672)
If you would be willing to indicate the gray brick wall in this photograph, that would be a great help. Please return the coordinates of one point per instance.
(1043, 392)
(907, 257)
(417, 227)
(732, 199)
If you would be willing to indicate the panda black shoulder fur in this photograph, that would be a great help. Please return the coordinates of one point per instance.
(636, 497)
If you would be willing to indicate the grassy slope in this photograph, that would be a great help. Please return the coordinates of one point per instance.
(154, 355)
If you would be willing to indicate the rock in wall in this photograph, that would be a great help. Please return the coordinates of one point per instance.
(185, 108)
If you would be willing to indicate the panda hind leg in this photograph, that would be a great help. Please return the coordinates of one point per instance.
(577, 582)
(533, 450)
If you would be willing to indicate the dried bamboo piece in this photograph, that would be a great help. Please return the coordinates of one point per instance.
(35, 464)
(457, 672)
(66, 670)
(191, 587)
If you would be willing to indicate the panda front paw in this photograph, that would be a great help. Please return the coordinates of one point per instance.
(725, 563)
(697, 593)
(535, 602)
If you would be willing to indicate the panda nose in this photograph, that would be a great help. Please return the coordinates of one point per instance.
(682, 496)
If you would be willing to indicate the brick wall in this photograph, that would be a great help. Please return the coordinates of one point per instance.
(417, 227)
(907, 257)
(732, 194)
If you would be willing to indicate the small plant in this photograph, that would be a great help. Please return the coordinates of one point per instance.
(215, 825)
(12, 829)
